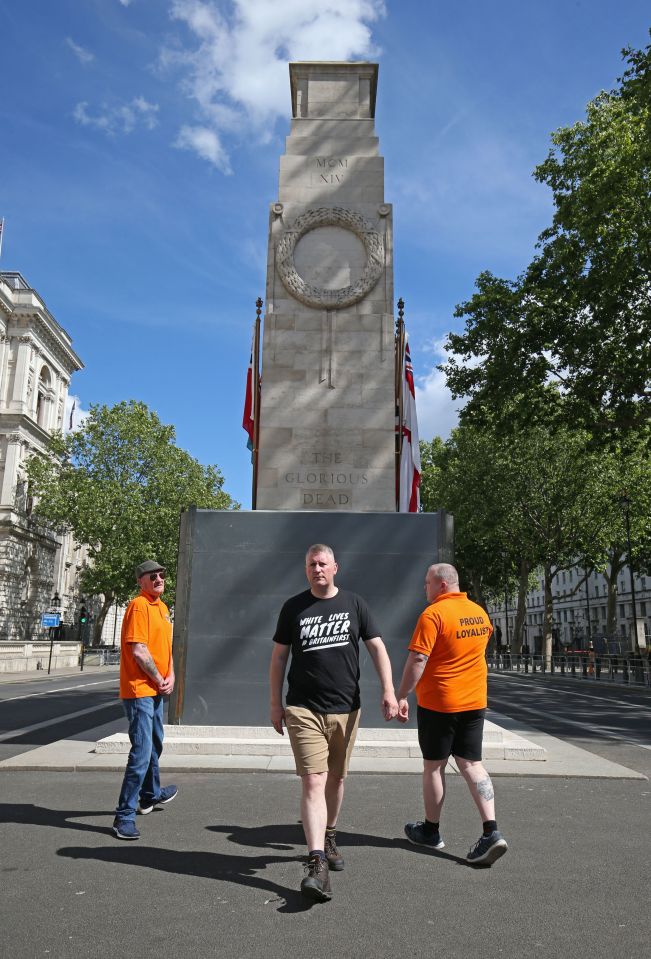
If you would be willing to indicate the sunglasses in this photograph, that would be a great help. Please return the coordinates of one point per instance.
(154, 576)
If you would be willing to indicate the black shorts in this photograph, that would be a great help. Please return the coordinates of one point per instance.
(441, 735)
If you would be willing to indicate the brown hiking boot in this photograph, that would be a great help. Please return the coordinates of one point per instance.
(316, 884)
(335, 861)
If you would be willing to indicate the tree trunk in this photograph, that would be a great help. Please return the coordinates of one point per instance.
(548, 638)
(101, 616)
(521, 612)
(478, 589)
(616, 566)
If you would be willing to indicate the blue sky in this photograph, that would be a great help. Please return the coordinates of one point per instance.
(139, 152)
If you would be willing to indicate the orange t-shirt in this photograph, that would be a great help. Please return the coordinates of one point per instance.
(146, 621)
(453, 632)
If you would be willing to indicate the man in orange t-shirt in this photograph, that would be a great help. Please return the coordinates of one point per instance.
(447, 667)
(146, 675)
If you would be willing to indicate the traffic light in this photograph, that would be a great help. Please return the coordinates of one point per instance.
(83, 615)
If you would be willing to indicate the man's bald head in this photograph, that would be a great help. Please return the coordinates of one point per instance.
(441, 578)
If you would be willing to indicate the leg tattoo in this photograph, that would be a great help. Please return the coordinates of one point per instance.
(485, 789)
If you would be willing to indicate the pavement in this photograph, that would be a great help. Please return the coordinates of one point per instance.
(561, 759)
(551, 757)
(217, 872)
(22, 676)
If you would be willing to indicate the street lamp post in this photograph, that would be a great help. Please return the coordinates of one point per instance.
(506, 615)
(83, 617)
(587, 603)
(626, 503)
(55, 602)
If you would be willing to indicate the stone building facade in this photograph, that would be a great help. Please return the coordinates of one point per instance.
(36, 363)
(580, 612)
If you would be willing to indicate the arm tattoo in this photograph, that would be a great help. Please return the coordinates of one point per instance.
(485, 789)
(146, 661)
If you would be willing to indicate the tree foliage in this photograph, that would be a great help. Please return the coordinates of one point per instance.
(119, 484)
(580, 314)
(534, 499)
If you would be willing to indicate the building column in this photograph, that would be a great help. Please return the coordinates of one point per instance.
(12, 462)
(22, 372)
(4, 342)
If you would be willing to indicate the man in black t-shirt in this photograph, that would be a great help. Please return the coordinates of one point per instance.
(322, 628)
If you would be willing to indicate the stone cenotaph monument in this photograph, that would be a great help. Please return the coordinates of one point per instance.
(324, 422)
(326, 435)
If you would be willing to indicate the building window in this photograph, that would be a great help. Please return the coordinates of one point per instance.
(622, 610)
(643, 609)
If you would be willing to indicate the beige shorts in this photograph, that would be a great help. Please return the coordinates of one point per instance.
(321, 743)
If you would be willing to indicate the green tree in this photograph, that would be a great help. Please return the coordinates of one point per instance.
(119, 484)
(580, 315)
(529, 500)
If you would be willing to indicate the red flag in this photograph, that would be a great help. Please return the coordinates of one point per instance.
(249, 404)
(409, 499)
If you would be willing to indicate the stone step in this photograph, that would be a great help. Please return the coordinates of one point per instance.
(388, 733)
(388, 743)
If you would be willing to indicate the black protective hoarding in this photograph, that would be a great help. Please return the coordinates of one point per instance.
(235, 571)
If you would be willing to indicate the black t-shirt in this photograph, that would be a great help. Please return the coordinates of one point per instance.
(324, 635)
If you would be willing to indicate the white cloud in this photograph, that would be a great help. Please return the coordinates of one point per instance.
(206, 144)
(83, 55)
(119, 118)
(437, 411)
(236, 73)
(125, 3)
(74, 416)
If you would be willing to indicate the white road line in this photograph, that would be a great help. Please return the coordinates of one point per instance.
(601, 734)
(557, 689)
(64, 689)
(56, 720)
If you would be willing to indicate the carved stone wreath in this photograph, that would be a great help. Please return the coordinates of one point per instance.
(316, 296)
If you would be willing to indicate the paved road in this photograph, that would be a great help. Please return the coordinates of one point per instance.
(216, 873)
(42, 710)
(612, 721)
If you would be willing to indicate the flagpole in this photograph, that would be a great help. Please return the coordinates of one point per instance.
(256, 401)
(2, 230)
(399, 362)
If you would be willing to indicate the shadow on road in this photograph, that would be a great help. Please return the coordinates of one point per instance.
(31, 815)
(290, 835)
(242, 870)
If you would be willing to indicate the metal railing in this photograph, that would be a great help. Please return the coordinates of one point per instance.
(588, 665)
(100, 656)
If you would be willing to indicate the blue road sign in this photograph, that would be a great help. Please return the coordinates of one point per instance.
(50, 619)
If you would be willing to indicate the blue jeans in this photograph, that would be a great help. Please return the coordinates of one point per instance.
(141, 777)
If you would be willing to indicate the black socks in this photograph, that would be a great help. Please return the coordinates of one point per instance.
(489, 826)
(429, 827)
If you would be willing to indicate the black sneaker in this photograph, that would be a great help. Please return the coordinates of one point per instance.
(488, 849)
(316, 884)
(167, 794)
(335, 861)
(415, 832)
(126, 829)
